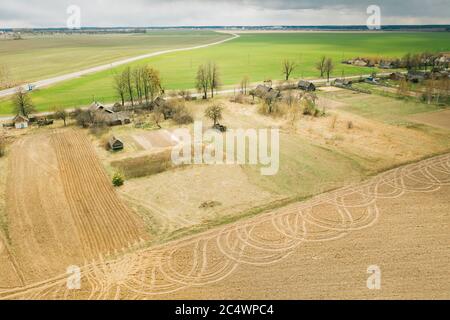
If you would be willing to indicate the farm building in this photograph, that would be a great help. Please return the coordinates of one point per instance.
(342, 83)
(306, 85)
(117, 118)
(166, 110)
(109, 116)
(99, 107)
(396, 76)
(21, 122)
(263, 91)
(387, 65)
(115, 144)
(416, 76)
(158, 102)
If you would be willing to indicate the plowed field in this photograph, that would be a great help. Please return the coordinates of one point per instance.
(61, 206)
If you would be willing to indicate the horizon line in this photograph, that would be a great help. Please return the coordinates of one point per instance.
(227, 26)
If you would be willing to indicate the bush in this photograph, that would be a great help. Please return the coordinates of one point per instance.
(182, 115)
(239, 98)
(117, 180)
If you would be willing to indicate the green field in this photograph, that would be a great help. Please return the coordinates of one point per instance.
(257, 55)
(40, 57)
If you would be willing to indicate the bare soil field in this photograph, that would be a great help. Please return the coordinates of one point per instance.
(440, 119)
(320, 248)
(61, 206)
(155, 140)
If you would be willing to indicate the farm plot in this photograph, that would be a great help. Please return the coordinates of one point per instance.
(155, 140)
(320, 248)
(61, 206)
(440, 119)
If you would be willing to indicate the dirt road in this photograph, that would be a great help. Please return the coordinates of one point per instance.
(320, 248)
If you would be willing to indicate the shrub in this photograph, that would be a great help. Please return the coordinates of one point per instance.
(117, 180)
(182, 115)
(239, 98)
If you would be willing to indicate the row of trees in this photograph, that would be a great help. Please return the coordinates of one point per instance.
(138, 85)
(325, 66)
(208, 79)
(423, 60)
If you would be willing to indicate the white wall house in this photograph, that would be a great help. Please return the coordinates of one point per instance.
(21, 122)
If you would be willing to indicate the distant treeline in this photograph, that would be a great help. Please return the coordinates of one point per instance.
(435, 28)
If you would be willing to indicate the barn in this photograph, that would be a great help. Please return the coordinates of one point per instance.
(306, 85)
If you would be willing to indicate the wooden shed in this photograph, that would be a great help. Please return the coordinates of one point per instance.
(115, 144)
(306, 85)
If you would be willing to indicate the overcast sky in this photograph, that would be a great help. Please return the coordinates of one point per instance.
(142, 13)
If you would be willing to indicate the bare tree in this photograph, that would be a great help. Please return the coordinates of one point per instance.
(158, 116)
(151, 83)
(61, 113)
(403, 87)
(22, 104)
(202, 81)
(270, 103)
(120, 86)
(244, 84)
(127, 78)
(288, 67)
(214, 112)
(329, 67)
(137, 75)
(213, 77)
(320, 65)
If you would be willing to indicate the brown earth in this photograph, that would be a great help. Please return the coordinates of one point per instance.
(439, 119)
(62, 209)
(320, 248)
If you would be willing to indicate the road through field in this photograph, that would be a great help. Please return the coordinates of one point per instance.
(54, 80)
(396, 222)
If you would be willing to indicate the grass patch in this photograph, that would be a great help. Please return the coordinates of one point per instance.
(142, 166)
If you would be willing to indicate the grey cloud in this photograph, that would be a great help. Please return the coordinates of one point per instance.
(51, 13)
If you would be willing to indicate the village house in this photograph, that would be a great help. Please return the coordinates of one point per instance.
(416, 76)
(306, 85)
(109, 116)
(21, 122)
(387, 65)
(264, 91)
(397, 76)
(342, 83)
